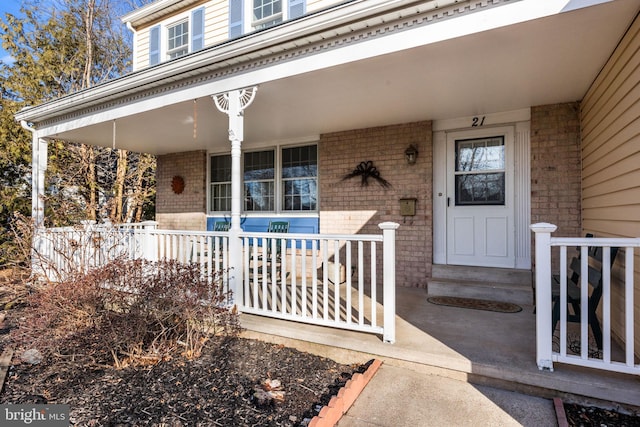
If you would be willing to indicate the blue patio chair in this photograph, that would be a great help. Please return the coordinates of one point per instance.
(195, 250)
(276, 227)
(221, 226)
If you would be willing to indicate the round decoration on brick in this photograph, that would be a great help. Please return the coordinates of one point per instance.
(177, 184)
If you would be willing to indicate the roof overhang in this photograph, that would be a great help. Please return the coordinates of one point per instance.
(364, 63)
(154, 11)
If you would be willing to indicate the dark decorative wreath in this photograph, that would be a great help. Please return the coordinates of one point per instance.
(365, 170)
(177, 184)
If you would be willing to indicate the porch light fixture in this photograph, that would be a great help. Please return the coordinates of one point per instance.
(411, 154)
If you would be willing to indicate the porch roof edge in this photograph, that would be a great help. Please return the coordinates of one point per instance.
(332, 22)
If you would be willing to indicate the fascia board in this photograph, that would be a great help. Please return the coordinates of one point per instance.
(332, 21)
(327, 24)
(149, 11)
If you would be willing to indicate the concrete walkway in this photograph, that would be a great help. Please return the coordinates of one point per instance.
(398, 396)
(475, 346)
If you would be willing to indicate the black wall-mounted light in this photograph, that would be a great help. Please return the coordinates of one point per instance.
(411, 154)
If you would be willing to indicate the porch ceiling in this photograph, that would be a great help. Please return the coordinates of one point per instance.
(544, 61)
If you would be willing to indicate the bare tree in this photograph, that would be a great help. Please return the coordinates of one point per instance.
(60, 47)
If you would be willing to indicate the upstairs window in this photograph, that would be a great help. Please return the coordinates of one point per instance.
(178, 40)
(248, 15)
(266, 13)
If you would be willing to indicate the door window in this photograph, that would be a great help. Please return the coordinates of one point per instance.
(480, 172)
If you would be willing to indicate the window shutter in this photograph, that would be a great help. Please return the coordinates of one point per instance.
(154, 45)
(296, 8)
(197, 29)
(236, 16)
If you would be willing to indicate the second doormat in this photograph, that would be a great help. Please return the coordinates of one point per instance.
(476, 304)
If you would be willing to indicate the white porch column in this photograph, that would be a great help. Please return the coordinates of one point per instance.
(233, 103)
(38, 169)
(389, 279)
(544, 335)
(38, 198)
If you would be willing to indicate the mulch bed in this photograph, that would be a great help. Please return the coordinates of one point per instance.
(217, 389)
(588, 416)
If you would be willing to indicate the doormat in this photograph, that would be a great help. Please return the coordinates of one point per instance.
(476, 304)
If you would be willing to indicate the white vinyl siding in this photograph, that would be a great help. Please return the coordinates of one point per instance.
(610, 125)
(216, 23)
(216, 26)
(141, 49)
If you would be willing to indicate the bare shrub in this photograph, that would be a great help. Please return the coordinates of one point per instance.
(15, 243)
(128, 311)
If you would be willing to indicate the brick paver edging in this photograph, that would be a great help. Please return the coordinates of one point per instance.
(560, 413)
(341, 402)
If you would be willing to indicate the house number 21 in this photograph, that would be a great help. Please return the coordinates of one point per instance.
(477, 121)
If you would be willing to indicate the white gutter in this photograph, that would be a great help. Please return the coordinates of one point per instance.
(324, 25)
(154, 10)
(26, 126)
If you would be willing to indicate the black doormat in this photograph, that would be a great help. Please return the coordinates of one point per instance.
(476, 304)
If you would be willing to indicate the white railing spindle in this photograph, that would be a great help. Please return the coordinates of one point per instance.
(605, 358)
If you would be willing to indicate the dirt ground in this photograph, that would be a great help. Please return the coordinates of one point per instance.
(235, 382)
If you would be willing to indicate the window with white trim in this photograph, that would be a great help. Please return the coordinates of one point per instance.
(274, 180)
(480, 171)
(259, 181)
(300, 178)
(266, 13)
(178, 39)
(220, 176)
(249, 15)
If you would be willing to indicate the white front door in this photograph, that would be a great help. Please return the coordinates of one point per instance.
(480, 202)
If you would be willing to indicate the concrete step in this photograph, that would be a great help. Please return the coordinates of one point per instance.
(482, 274)
(480, 282)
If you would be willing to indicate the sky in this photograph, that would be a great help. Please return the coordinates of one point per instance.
(13, 7)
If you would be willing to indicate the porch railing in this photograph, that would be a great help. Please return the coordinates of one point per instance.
(576, 350)
(329, 280)
(59, 252)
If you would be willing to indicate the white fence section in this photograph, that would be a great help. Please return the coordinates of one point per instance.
(330, 280)
(59, 252)
(577, 349)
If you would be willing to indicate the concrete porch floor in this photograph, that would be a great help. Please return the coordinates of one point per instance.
(480, 347)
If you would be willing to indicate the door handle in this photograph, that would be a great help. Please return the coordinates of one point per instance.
(448, 201)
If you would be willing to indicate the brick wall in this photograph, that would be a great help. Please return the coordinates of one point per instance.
(349, 207)
(556, 170)
(186, 210)
(555, 167)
